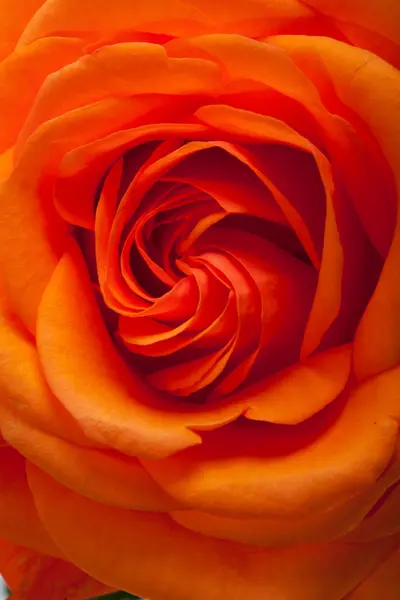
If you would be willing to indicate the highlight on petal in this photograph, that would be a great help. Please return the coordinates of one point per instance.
(219, 568)
(31, 575)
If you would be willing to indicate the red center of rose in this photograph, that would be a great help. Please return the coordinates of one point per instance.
(203, 278)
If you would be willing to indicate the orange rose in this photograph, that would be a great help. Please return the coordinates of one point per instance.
(200, 308)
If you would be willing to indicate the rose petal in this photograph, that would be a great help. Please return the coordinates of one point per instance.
(384, 581)
(245, 472)
(375, 16)
(351, 71)
(212, 301)
(250, 65)
(189, 377)
(33, 233)
(219, 568)
(382, 520)
(23, 388)
(249, 311)
(312, 527)
(251, 127)
(277, 278)
(178, 18)
(372, 41)
(26, 69)
(19, 521)
(31, 575)
(261, 128)
(6, 164)
(19, 13)
(101, 475)
(114, 406)
(228, 181)
(300, 391)
(83, 169)
(107, 73)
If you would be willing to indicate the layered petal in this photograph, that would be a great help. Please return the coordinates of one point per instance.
(260, 128)
(220, 569)
(31, 575)
(19, 521)
(351, 71)
(34, 234)
(114, 406)
(377, 17)
(350, 520)
(383, 582)
(104, 476)
(179, 18)
(24, 391)
(26, 69)
(106, 73)
(18, 14)
(298, 392)
(243, 472)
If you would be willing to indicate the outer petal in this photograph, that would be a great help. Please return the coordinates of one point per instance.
(248, 471)
(251, 64)
(383, 519)
(32, 233)
(384, 582)
(313, 527)
(177, 18)
(107, 72)
(31, 575)
(375, 16)
(19, 521)
(101, 475)
(15, 16)
(6, 164)
(23, 389)
(21, 76)
(351, 71)
(354, 74)
(122, 547)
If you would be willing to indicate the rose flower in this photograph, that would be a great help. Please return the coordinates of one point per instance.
(200, 299)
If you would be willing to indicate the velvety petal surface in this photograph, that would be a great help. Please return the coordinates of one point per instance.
(103, 547)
